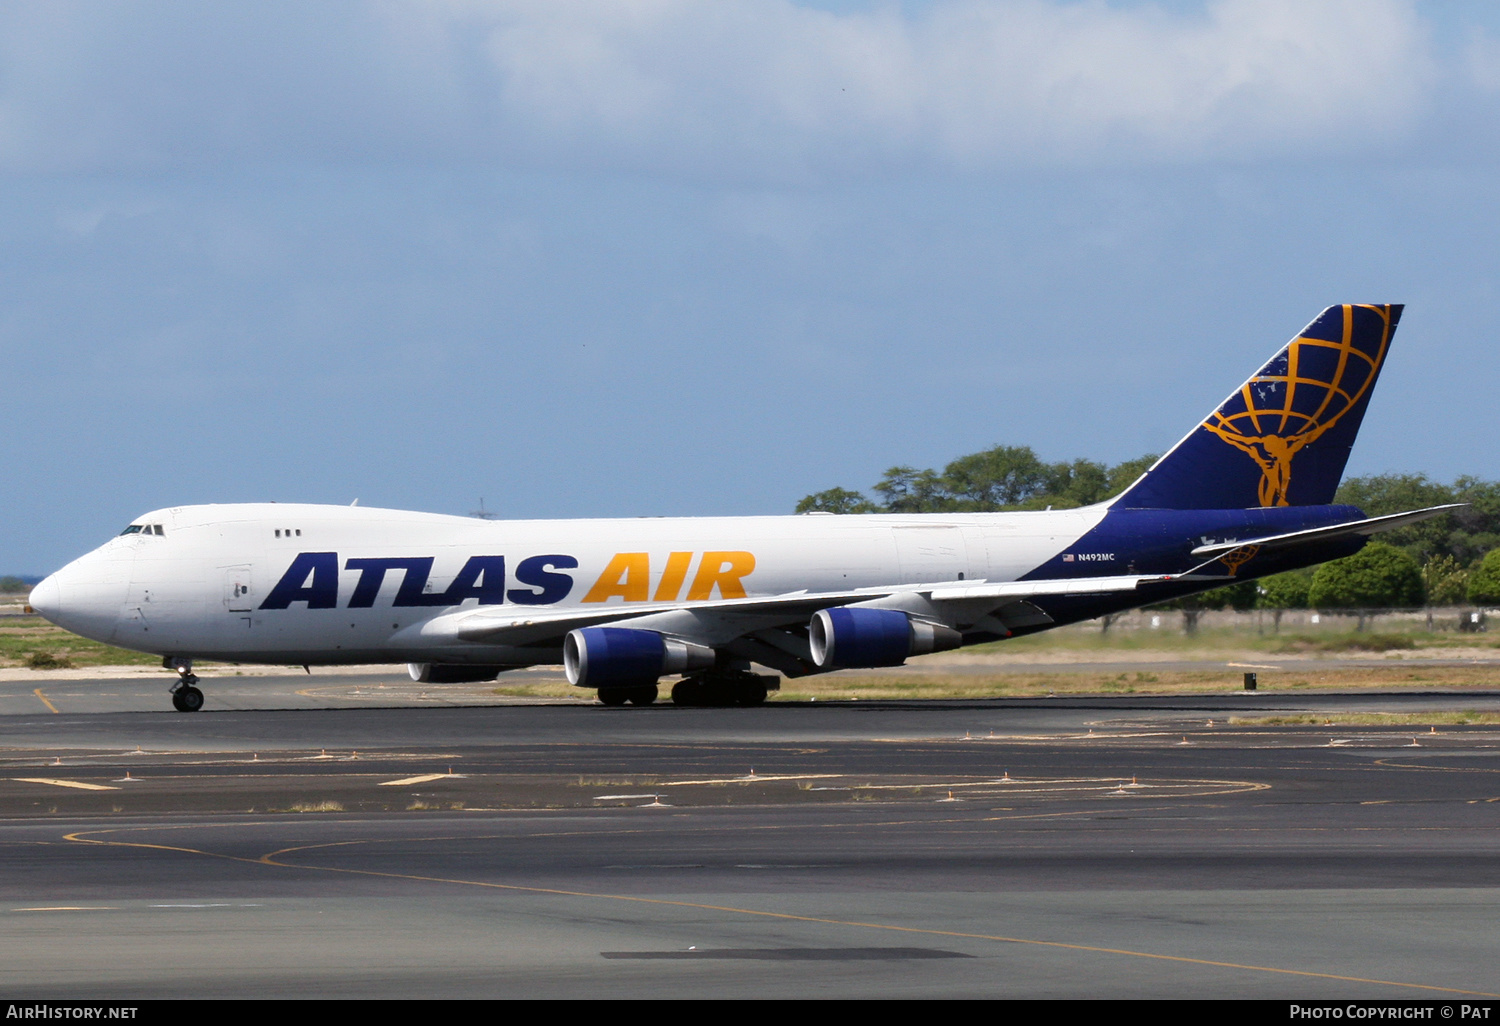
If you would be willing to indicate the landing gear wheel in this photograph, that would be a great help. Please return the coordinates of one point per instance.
(750, 693)
(614, 696)
(689, 691)
(187, 699)
(722, 689)
(643, 696)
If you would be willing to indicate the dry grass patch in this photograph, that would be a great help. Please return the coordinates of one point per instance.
(1338, 635)
(849, 687)
(1350, 643)
(550, 689)
(33, 642)
(1422, 719)
(324, 806)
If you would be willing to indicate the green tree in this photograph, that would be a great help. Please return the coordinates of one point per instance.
(13, 585)
(909, 490)
(1466, 534)
(1445, 581)
(995, 478)
(1475, 529)
(1280, 592)
(1069, 485)
(1484, 581)
(1004, 477)
(1378, 576)
(1240, 596)
(1193, 607)
(836, 500)
(1123, 475)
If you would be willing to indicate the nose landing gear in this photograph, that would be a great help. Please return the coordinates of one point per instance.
(185, 694)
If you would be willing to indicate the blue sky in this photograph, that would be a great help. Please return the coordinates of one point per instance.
(626, 258)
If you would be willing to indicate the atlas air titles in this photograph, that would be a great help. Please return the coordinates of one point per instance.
(313, 578)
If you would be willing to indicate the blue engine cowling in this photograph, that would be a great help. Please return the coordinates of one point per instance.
(858, 638)
(614, 657)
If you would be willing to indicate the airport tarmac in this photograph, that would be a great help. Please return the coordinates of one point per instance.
(401, 846)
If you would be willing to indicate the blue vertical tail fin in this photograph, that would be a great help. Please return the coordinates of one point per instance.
(1283, 437)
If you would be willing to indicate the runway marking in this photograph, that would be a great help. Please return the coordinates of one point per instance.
(622, 797)
(424, 778)
(1388, 764)
(49, 705)
(210, 904)
(70, 908)
(270, 859)
(1021, 786)
(753, 780)
(65, 783)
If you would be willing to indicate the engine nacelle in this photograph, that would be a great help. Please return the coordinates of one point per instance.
(858, 638)
(451, 673)
(614, 657)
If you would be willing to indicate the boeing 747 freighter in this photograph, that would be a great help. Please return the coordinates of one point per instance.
(623, 603)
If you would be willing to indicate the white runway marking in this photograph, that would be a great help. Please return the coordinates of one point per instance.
(424, 778)
(67, 783)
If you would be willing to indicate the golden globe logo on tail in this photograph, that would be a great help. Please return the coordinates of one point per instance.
(1297, 398)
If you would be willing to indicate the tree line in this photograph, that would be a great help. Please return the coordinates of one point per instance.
(1007, 477)
(1448, 560)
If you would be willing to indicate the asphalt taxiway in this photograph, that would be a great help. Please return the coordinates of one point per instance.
(1131, 846)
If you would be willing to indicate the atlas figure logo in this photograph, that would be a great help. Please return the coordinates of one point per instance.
(1302, 394)
(313, 578)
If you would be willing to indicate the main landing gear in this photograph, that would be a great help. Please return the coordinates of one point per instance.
(185, 694)
(724, 688)
(718, 688)
(643, 695)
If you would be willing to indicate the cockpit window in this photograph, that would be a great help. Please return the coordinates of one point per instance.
(156, 529)
(144, 529)
(133, 529)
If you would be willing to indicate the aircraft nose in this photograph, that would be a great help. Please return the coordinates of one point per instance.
(46, 598)
(84, 597)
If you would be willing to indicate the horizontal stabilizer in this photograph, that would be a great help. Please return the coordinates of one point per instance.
(1367, 527)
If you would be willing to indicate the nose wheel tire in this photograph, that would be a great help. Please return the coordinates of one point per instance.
(187, 699)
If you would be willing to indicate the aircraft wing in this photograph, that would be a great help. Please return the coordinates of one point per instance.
(1369, 526)
(512, 626)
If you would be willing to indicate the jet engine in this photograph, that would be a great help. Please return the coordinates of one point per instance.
(615, 657)
(857, 638)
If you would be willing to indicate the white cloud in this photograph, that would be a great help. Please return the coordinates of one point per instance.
(748, 88)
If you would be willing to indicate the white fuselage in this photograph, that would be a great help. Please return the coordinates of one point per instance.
(201, 586)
